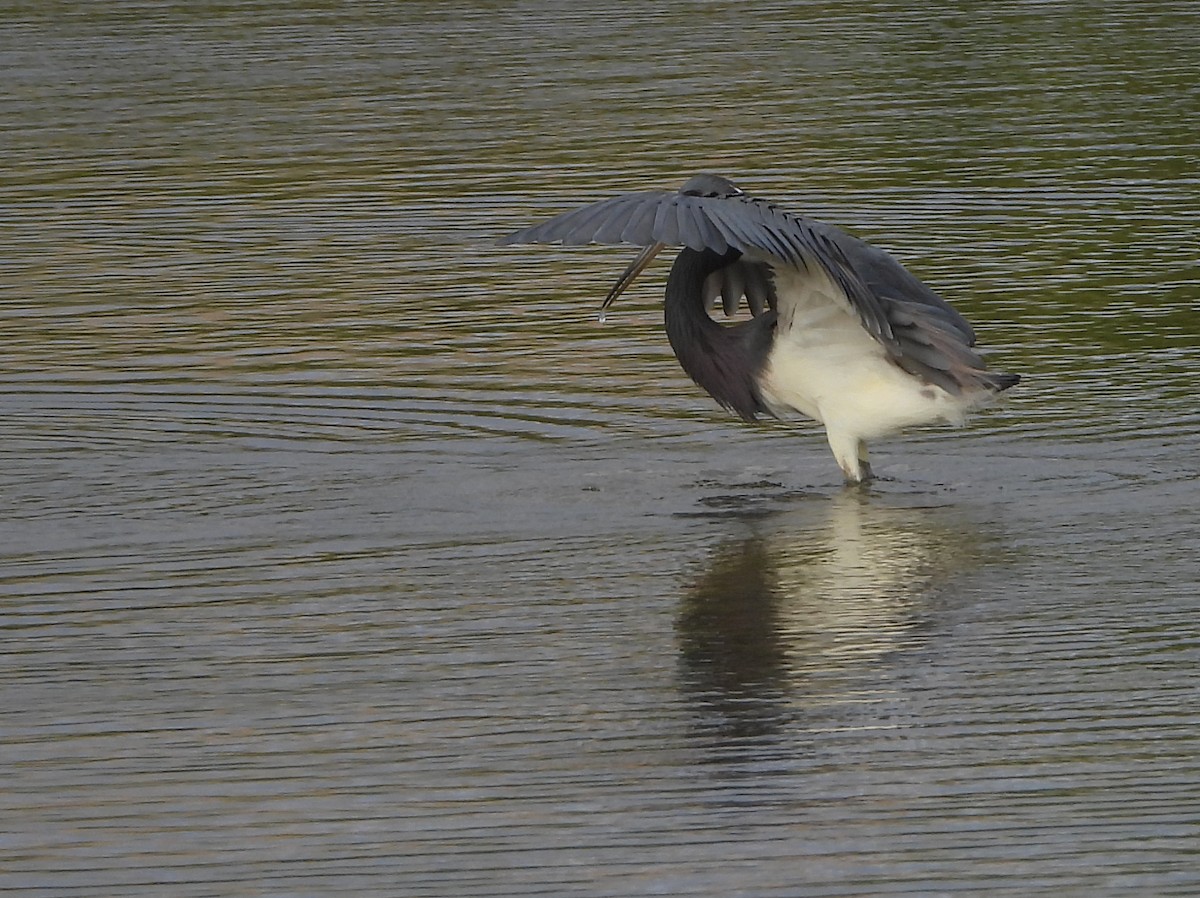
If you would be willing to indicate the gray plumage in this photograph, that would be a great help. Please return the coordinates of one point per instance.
(747, 244)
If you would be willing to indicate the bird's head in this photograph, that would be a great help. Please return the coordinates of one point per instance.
(710, 185)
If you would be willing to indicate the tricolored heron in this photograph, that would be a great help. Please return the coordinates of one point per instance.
(841, 332)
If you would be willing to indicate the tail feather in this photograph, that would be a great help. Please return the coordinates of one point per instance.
(1001, 382)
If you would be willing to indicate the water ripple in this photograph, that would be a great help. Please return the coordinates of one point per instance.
(345, 552)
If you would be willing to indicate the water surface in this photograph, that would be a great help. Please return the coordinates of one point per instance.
(345, 552)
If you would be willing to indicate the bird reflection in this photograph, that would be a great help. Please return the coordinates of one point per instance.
(798, 616)
(729, 633)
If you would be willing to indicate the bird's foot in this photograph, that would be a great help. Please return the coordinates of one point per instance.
(859, 474)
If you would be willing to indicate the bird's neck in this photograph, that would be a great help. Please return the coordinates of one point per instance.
(725, 361)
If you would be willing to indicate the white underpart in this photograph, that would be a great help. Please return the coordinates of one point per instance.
(824, 364)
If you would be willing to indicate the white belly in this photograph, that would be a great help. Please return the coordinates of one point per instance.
(823, 364)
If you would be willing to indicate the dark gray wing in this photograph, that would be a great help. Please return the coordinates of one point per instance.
(888, 279)
(696, 221)
(920, 331)
(930, 339)
(720, 220)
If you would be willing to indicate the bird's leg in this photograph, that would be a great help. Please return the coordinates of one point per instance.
(864, 461)
(851, 455)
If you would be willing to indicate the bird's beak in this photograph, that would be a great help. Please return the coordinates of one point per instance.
(629, 274)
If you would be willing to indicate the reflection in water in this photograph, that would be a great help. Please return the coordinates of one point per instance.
(730, 637)
(795, 616)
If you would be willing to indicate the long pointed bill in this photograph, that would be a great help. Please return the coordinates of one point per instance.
(636, 267)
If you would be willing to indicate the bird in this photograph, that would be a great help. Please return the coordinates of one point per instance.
(840, 332)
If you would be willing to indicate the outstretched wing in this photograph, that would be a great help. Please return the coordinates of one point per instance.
(918, 329)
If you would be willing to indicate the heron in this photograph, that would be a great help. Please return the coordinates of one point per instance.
(839, 332)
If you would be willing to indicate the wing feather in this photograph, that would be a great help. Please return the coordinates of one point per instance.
(919, 330)
(639, 229)
(740, 278)
(751, 233)
(760, 290)
(733, 288)
(580, 226)
(700, 228)
(611, 226)
(666, 223)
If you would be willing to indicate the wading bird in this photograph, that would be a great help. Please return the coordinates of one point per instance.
(841, 332)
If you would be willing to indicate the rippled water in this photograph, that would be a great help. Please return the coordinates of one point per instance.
(345, 552)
